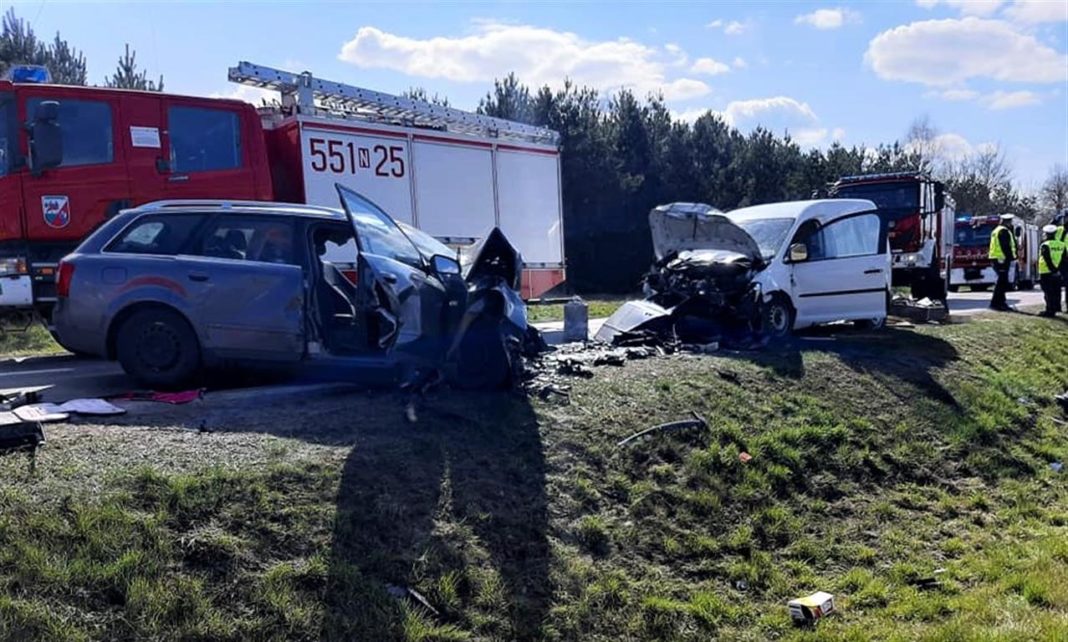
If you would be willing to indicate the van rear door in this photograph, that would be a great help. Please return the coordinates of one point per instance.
(846, 274)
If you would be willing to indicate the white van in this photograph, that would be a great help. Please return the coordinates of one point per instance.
(770, 268)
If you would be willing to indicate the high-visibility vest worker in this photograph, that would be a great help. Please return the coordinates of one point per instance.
(996, 252)
(1051, 262)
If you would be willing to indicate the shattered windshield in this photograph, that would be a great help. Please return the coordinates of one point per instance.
(769, 233)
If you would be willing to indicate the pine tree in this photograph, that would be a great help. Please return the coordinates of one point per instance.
(127, 76)
(19, 45)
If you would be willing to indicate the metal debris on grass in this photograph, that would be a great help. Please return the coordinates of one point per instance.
(672, 426)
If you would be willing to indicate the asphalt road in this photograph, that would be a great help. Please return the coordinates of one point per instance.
(73, 377)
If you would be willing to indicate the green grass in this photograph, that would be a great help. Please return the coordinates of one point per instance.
(876, 461)
(597, 308)
(34, 341)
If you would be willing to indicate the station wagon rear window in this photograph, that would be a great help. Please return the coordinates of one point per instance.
(162, 234)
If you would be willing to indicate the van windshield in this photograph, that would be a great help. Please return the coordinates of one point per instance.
(7, 105)
(769, 233)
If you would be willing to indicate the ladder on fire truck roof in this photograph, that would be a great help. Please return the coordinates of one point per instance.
(310, 95)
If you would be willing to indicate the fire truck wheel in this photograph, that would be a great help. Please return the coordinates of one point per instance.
(980, 288)
(158, 348)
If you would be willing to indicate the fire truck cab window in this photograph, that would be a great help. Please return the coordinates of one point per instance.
(7, 108)
(203, 140)
(87, 130)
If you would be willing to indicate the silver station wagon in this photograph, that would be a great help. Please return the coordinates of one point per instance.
(172, 287)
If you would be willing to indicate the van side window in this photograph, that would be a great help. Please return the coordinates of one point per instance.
(203, 140)
(162, 234)
(852, 236)
(87, 130)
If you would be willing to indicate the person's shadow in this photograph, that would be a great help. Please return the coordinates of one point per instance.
(452, 505)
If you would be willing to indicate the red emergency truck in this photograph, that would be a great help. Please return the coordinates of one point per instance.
(70, 157)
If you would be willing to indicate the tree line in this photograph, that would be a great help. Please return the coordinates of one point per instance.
(623, 155)
(19, 45)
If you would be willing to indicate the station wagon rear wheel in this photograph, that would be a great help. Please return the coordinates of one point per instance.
(158, 348)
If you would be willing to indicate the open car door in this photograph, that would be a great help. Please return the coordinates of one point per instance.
(403, 301)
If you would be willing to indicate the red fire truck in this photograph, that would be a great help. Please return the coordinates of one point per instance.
(919, 218)
(70, 157)
(971, 259)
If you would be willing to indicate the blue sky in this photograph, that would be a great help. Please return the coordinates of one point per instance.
(984, 71)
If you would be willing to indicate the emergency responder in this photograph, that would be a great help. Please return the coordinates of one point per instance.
(1062, 236)
(1050, 260)
(1003, 253)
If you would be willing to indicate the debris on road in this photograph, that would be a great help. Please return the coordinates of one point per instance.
(806, 610)
(406, 592)
(934, 580)
(1056, 466)
(576, 320)
(174, 398)
(11, 398)
(1063, 401)
(744, 457)
(672, 426)
(924, 310)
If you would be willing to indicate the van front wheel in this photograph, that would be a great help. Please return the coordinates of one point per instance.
(778, 317)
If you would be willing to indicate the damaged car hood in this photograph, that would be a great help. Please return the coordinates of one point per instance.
(678, 227)
(493, 256)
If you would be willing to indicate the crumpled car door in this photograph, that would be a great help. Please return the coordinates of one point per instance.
(404, 302)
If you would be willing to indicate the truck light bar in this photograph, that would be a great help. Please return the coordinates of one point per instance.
(28, 74)
(310, 95)
(862, 178)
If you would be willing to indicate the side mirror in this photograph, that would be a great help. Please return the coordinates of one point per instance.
(798, 253)
(444, 265)
(46, 138)
(940, 196)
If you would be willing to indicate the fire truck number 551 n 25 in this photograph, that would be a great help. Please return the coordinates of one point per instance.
(345, 157)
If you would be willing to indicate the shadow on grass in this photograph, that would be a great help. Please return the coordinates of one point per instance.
(896, 353)
(424, 504)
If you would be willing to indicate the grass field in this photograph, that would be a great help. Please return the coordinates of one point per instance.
(34, 341)
(599, 307)
(877, 460)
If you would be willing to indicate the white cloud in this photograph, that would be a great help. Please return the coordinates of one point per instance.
(715, 24)
(709, 67)
(734, 28)
(827, 18)
(948, 52)
(539, 56)
(1035, 11)
(253, 95)
(838, 133)
(955, 94)
(966, 7)
(689, 115)
(779, 114)
(739, 63)
(746, 114)
(1010, 99)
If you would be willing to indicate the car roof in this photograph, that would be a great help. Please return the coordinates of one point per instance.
(259, 208)
(821, 210)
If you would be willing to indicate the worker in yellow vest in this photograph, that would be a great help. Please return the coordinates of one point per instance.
(1062, 235)
(1003, 253)
(1050, 261)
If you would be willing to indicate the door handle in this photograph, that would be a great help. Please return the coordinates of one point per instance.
(876, 271)
(198, 276)
(389, 278)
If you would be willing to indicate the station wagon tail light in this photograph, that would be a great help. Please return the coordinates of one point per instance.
(66, 273)
(13, 267)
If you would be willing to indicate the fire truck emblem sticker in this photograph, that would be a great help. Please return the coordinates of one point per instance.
(56, 210)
